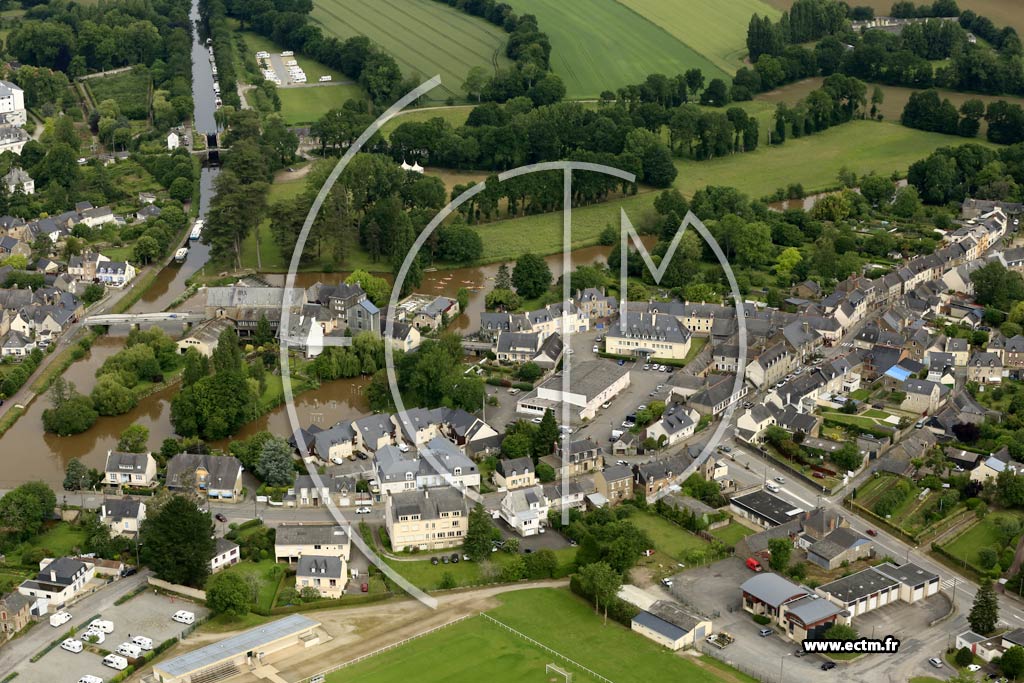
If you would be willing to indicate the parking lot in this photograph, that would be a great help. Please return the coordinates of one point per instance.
(147, 614)
(714, 591)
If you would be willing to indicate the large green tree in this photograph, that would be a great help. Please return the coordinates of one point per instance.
(23, 510)
(228, 593)
(177, 542)
(274, 467)
(984, 614)
(531, 276)
(480, 535)
(780, 549)
(602, 582)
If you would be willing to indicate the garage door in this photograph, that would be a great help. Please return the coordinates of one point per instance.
(699, 634)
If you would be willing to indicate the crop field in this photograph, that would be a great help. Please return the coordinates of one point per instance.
(610, 45)
(424, 37)
(715, 29)
(556, 618)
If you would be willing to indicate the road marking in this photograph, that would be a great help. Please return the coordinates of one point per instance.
(793, 495)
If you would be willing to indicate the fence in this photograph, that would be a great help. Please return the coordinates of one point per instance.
(589, 672)
(320, 676)
(193, 593)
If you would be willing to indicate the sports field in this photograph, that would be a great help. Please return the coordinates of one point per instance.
(479, 650)
(715, 29)
(424, 37)
(609, 45)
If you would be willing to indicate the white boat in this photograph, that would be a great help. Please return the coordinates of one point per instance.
(180, 255)
(197, 230)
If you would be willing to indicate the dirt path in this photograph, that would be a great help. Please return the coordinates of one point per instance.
(350, 633)
(286, 176)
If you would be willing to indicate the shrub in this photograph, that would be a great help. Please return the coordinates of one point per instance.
(964, 656)
(762, 619)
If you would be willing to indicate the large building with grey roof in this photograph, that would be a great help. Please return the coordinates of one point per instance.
(431, 519)
(592, 383)
(795, 609)
(669, 625)
(649, 335)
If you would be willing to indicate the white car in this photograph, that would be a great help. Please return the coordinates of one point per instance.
(184, 617)
(936, 662)
(143, 642)
(115, 662)
(973, 667)
(404, 447)
(606, 405)
(364, 510)
(94, 636)
(597, 349)
(101, 625)
(59, 619)
(647, 367)
(667, 583)
(90, 679)
(72, 645)
(781, 480)
(536, 420)
(337, 461)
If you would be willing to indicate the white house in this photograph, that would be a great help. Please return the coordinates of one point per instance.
(12, 104)
(18, 180)
(129, 469)
(225, 554)
(115, 273)
(59, 580)
(173, 140)
(123, 515)
(524, 510)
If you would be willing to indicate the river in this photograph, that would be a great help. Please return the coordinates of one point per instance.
(170, 283)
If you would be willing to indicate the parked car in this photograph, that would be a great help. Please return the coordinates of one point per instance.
(647, 366)
(667, 583)
(765, 632)
(362, 456)
(973, 667)
(363, 510)
(935, 661)
(90, 679)
(622, 362)
(102, 625)
(454, 557)
(536, 420)
(220, 517)
(184, 617)
(606, 405)
(828, 666)
(648, 552)
(72, 645)
(445, 560)
(872, 532)
(94, 636)
(801, 653)
(143, 642)
(130, 571)
(434, 561)
(115, 662)
(58, 619)
(129, 650)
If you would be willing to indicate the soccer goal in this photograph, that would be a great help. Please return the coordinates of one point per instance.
(554, 668)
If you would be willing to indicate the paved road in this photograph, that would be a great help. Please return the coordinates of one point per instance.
(15, 654)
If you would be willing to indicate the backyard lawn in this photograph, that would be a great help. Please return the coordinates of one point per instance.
(667, 537)
(554, 617)
(267, 572)
(59, 540)
(428, 577)
(732, 534)
(984, 534)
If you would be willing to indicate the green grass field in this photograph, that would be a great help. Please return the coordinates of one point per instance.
(424, 37)
(265, 574)
(732, 534)
(59, 540)
(815, 160)
(554, 617)
(582, 43)
(982, 535)
(717, 30)
(129, 89)
(427, 576)
(456, 116)
(306, 105)
(667, 537)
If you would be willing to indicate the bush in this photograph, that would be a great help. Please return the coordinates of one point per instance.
(964, 656)
(762, 619)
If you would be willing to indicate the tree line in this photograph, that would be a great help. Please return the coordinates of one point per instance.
(929, 111)
(837, 101)
(949, 174)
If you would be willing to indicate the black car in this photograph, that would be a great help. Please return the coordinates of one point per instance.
(362, 456)
(220, 518)
(455, 558)
(130, 571)
(800, 653)
(828, 666)
(434, 560)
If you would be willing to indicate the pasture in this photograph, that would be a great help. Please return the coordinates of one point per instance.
(896, 98)
(424, 37)
(610, 46)
(554, 617)
(306, 105)
(717, 30)
(815, 160)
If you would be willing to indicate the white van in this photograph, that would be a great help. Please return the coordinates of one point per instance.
(325, 79)
(129, 650)
(90, 679)
(115, 662)
(94, 635)
(72, 645)
(184, 617)
(58, 619)
(287, 53)
(143, 642)
(101, 625)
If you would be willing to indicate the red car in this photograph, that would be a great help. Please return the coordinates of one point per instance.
(872, 532)
(365, 587)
